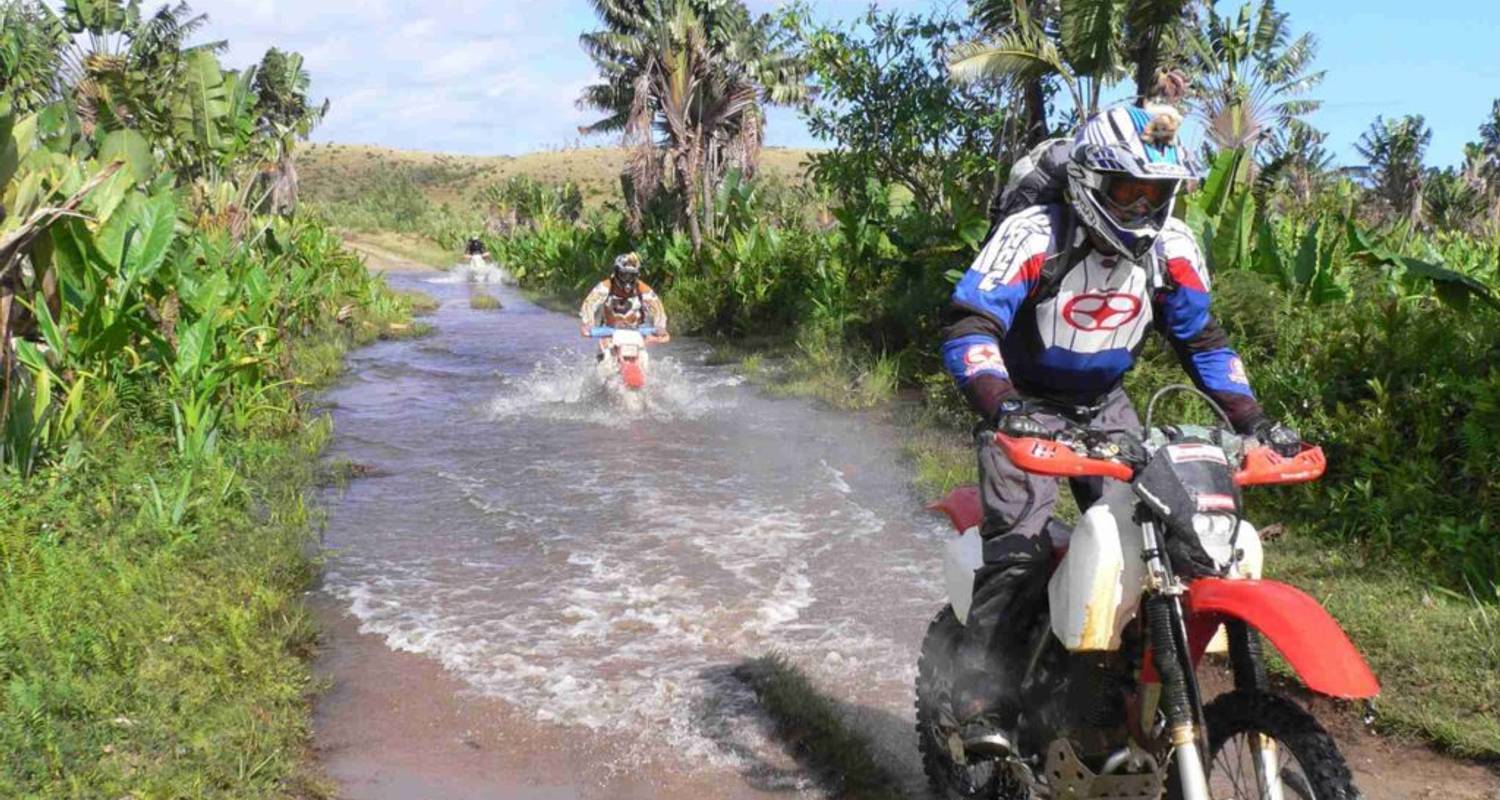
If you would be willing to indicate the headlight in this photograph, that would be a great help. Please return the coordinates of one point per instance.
(1216, 535)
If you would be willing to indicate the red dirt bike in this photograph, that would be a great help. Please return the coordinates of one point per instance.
(1158, 572)
(625, 355)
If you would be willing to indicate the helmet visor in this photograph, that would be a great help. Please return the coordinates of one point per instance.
(1132, 201)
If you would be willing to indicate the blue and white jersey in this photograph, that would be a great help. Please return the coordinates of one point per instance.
(1078, 344)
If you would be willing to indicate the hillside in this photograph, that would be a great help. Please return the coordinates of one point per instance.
(332, 172)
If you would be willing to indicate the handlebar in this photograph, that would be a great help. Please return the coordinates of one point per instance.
(1060, 458)
(604, 332)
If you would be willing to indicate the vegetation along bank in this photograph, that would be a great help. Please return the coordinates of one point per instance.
(165, 311)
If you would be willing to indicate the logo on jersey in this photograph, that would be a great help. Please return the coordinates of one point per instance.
(983, 358)
(1237, 372)
(1101, 312)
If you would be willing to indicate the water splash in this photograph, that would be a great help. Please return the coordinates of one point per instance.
(483, 272)
(569, 387)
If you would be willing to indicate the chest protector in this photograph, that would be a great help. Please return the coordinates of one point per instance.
(624, 312)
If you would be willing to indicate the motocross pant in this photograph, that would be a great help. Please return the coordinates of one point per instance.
(1019, 534)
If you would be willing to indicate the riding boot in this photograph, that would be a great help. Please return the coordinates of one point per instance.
(991, 657)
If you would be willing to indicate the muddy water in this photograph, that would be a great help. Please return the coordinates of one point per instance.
(595, 572)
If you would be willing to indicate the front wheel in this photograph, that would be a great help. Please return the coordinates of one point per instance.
(1248, 728)
(951, 775)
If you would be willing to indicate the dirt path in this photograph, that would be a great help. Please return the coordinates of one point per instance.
(1385, 769)
(382, 258)
(395, 726)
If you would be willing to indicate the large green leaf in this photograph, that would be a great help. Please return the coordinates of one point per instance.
(1221, 180)
(131, 147)
(115, 235)
(1452, 287)
(1307, 258)
(1268, 259)
(10, 154)
(157, 225)
(1231, 245)
(200, 112)
(1091, 36)
(195, 346)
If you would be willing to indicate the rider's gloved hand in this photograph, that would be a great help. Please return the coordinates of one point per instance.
(1012, 419)
(1278, 437)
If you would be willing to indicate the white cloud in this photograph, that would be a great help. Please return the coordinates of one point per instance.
(474, 76)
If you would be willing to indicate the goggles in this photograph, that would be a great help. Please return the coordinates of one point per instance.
(1130, 200)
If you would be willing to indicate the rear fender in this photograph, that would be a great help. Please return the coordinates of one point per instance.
(1306, 635)
(962, 507)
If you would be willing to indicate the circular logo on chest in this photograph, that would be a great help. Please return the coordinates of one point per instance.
(1101, 312)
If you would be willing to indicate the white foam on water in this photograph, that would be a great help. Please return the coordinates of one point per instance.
(567, 386)
(486, 272)
(836, 478)
(611, 582)
(631, 629)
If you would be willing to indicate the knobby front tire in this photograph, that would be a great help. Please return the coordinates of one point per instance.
(1310, 764)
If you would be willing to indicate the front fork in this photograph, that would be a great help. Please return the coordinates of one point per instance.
(1248, 661)
(1181, 702)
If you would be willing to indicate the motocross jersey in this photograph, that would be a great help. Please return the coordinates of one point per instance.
(1076, 345)
(604, 307)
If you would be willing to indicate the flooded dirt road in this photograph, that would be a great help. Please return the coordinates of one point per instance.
(543, 595)
(595, 574)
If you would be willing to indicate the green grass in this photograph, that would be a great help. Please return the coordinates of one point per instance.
(1436, 652)
(816, 732)
(335, 171)
(419, 302)
(814, 366)
(483, 301)
(153, 641)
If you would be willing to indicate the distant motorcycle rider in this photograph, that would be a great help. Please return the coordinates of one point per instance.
(1044, 326)
(623, 300)
(474, 247)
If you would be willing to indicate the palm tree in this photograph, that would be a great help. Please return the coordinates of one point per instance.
(119, 68)
(685, 81)
(30, 37)
(1394, 149)
(1251, 75)
(1087, 44)
(1486, 161)
(1453, 199)
(1295, 158)
(284, 116)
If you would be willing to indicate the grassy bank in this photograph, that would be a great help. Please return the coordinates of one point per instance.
(343, 173)
(815, 731)
(154, 641)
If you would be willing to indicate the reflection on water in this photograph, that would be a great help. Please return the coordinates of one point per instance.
(601, 567)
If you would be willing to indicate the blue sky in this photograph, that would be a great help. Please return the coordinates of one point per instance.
(500, 76)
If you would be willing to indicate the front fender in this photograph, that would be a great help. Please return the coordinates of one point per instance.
(1310, 640)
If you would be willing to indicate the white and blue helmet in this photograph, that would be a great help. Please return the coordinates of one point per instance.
(1124, 175)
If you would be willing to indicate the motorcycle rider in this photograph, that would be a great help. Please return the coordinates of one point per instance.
(474, 247)
(623, 300)
(1043, 327)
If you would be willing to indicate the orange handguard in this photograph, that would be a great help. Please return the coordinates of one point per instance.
(1264, 466)
(1046, 457)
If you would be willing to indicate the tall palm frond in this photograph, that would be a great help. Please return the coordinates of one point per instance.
(1394, 150)
(1020, 54)
(684, 81)
(1250, 75)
